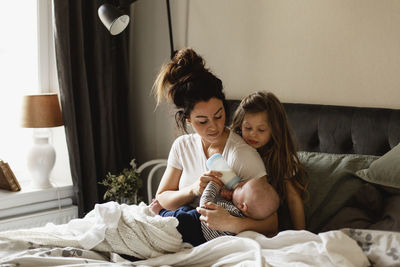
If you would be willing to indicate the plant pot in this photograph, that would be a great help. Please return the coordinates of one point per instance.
(129, 201)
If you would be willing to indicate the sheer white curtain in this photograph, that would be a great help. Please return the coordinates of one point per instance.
(19, 76)
(27, 66)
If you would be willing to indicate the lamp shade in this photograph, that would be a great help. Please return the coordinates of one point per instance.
(41, 111)
(114, 20)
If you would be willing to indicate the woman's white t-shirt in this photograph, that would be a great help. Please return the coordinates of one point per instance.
(187, 154)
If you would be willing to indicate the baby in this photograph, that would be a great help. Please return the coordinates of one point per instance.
(254, 198)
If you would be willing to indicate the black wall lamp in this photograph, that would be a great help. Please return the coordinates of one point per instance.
(115, 20)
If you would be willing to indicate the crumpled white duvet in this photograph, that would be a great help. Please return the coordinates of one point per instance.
(131, 230)
(288, 248)
(135, 230)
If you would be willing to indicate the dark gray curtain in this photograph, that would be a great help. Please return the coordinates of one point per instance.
(93, 74)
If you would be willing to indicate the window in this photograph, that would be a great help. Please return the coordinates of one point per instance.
(27, 66)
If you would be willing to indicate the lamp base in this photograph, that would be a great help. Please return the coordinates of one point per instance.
(41, 159)
(40, 183)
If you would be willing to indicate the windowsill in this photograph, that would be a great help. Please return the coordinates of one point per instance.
(28, 195)
(36, 207)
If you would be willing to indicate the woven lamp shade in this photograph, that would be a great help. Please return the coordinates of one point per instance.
(41, 111)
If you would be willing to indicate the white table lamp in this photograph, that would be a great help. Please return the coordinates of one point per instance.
(41, 112)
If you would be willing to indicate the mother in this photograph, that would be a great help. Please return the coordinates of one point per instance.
(200, 101)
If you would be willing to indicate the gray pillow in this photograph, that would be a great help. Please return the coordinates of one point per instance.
(385, 170)
(331, 182)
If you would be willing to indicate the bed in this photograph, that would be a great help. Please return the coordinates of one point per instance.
(352, 156)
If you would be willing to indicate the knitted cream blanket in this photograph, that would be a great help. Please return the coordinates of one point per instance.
(131, 230)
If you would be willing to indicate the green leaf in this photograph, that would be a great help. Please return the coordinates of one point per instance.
(122, 185)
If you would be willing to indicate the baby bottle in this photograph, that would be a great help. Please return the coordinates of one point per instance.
(217, 163)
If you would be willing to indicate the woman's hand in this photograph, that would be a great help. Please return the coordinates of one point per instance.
(215, 216)
(199, 186)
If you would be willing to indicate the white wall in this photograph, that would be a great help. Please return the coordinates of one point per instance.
(153, 129)
(340, 52)
(331, 52)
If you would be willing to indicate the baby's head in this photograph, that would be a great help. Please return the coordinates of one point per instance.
(256, 198)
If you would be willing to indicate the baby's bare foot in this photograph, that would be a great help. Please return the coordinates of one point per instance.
(155, 206)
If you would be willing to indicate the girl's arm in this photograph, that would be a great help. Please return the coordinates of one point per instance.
(171, 197)
(217, 218)
(296, 207)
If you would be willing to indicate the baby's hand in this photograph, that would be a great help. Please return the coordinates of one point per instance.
(227, 194)
(155, 206)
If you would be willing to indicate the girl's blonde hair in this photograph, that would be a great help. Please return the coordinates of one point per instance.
(279, 154)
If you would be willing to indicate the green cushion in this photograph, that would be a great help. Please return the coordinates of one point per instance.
(385, 170)
(332, 181)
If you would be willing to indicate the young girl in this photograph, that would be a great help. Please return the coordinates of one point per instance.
(261, 120)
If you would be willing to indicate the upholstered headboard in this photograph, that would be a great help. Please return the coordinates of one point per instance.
(336, 194)
(340, 129)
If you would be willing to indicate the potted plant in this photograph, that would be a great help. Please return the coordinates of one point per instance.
(123, 187)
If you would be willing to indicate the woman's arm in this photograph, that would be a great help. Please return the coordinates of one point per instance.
(217, 218)
(168, 194)
(171, 197)
(296, 207)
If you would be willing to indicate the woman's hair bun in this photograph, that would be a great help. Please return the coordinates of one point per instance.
(186, 77)
(186, 61)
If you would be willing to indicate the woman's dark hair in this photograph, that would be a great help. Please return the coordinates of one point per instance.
(186, 81)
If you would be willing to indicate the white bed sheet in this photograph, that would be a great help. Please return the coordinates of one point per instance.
(289, 248)
(46, 247)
